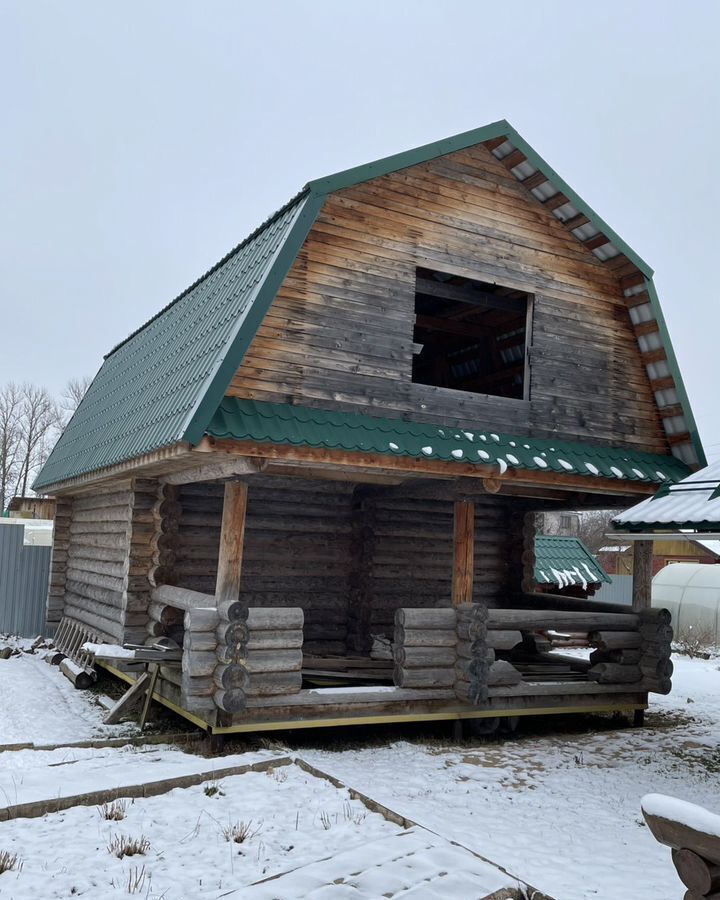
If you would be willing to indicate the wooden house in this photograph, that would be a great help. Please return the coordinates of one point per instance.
(617, 559)
(340, 435)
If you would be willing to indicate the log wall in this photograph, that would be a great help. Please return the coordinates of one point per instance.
(106, 540)
(339, 334)
(298, 537)
(411, 560)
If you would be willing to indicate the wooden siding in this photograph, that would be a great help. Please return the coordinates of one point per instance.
(340, 331)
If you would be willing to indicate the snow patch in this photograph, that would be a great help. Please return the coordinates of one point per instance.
(539, 461)
(393, 446)
(503, 466)
(458, 454)
(566, 465)
(513, 459)
(427, 450)
(591, 468)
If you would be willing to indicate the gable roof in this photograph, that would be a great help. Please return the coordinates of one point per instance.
(693, 504)
(566, 561)
(283, 423)
(163, 384)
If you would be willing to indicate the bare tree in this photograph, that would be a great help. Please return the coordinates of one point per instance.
(10, 435)
(71, 397)
(39, 421)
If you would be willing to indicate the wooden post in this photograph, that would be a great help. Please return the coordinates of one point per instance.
(642, 575)
(227, 586)
(464, 548)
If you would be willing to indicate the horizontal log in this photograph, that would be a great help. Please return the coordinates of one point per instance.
(198, 662)
(424, 657)
(76, 674)
(269, 683)
(182, 597)
(624, 657)
(655, 615)
(200, 619)
(229, 677)
(502, 672)
(657, 685)
(653, 667)
(275, 619)
(199, 640)
(616, 640)
(274, 660)
(560, 620)
(426, 618)
(232, 611)
(661, 649)
(231, 701)
(421, 678)
(614, 673)
(288, 639)
(197, 685)
(503, 640)
(656, 633)
(424, 637)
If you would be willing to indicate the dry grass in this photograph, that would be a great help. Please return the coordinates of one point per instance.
(114, 811)
(239, 832)
(122, 845)
(136, 880)
(9, 862)
(212, 789)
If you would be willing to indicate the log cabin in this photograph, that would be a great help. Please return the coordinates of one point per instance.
(317, 470)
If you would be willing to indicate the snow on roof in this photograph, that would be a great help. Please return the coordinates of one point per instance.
(693, 502)
(614, 548)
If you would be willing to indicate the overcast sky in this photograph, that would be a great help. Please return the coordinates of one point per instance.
(142, 140)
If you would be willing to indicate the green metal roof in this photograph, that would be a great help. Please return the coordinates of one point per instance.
(175, 369)
(565, 561)
(281, 423)
(164, 383)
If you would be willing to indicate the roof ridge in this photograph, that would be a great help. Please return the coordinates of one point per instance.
(266, 224)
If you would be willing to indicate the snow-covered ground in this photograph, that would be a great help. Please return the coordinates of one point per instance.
(559, 810)
(562, 812)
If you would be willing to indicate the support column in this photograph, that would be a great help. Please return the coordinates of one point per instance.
(642, 575)
(463, 552)
(232, 535)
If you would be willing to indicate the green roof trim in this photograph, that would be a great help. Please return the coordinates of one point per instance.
(566, 561)
(282, 423)
(163, 384)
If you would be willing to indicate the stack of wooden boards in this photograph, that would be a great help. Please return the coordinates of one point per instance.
(641, 655)
(75, 663)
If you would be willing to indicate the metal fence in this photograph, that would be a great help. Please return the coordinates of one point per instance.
(24, 572)
(620, 591)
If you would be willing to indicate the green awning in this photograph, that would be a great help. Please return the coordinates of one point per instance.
(281, 423)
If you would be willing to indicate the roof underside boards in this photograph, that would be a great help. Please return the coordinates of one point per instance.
(694, 503)
(150, 387)
(278, 423)
(164, 383)
(566, 561)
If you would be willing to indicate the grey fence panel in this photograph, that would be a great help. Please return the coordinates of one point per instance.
(620, 591)
(24, 573)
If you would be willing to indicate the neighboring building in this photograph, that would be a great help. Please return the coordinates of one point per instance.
(564, 565)
(618, 559)
(348, 426)
(32, 507)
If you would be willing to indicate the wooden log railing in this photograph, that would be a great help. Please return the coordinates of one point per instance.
(425, 648)
(693, 834)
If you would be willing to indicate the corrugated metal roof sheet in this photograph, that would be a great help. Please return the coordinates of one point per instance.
(565, 561)
(149, 386)
(164, 383)
(694, 503)
(280, 423)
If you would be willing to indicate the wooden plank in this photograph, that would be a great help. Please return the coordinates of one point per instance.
(130, 697)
